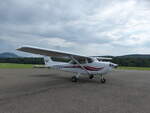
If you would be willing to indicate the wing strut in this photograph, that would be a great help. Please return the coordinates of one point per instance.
(79, 64)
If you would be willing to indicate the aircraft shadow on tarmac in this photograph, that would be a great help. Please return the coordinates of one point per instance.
(56, 77)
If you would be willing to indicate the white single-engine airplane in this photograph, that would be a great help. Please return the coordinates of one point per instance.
(78, 64)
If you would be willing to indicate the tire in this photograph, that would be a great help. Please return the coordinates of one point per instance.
(103, 80)
(74, 79)
(91, 76)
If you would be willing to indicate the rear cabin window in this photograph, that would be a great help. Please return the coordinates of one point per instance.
(73, 62)
(82, 61)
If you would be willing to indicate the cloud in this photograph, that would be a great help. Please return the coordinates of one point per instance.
(86, 27)
(58, 42)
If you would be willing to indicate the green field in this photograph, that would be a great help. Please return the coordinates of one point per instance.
(134, 68)
(12, 65)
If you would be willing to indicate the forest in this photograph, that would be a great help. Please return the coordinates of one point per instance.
(121, 61)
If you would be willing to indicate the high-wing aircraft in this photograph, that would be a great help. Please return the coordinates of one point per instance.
(85, 65)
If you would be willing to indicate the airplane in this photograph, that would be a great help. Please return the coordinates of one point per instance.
(81, 65)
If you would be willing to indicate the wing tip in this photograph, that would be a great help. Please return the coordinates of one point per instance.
(22, 47)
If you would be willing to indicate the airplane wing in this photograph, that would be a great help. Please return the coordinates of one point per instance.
(103, 58)
(47, 52)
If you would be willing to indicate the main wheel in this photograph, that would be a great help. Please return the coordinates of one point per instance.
(91, 76)
(74, 79)
(103, 80)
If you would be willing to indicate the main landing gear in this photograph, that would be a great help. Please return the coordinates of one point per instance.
(91, 76)
(103, 80)
(75, 78)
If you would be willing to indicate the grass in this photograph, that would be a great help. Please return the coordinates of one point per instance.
(134, 68)
(13, 65)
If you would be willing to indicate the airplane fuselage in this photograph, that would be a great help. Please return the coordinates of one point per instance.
(94, 68)
(78, 64)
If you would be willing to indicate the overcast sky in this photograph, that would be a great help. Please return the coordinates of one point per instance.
(87, 27)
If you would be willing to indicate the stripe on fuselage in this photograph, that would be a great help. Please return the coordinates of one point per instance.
(89, 68)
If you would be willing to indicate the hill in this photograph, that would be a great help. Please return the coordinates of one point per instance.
(136, 56)
(8, 55)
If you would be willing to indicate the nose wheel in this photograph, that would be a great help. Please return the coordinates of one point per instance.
(103, 80)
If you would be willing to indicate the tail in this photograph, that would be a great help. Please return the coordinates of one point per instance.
(50, 63)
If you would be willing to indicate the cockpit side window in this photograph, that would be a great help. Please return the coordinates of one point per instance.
(89, 60)
(82, 61)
